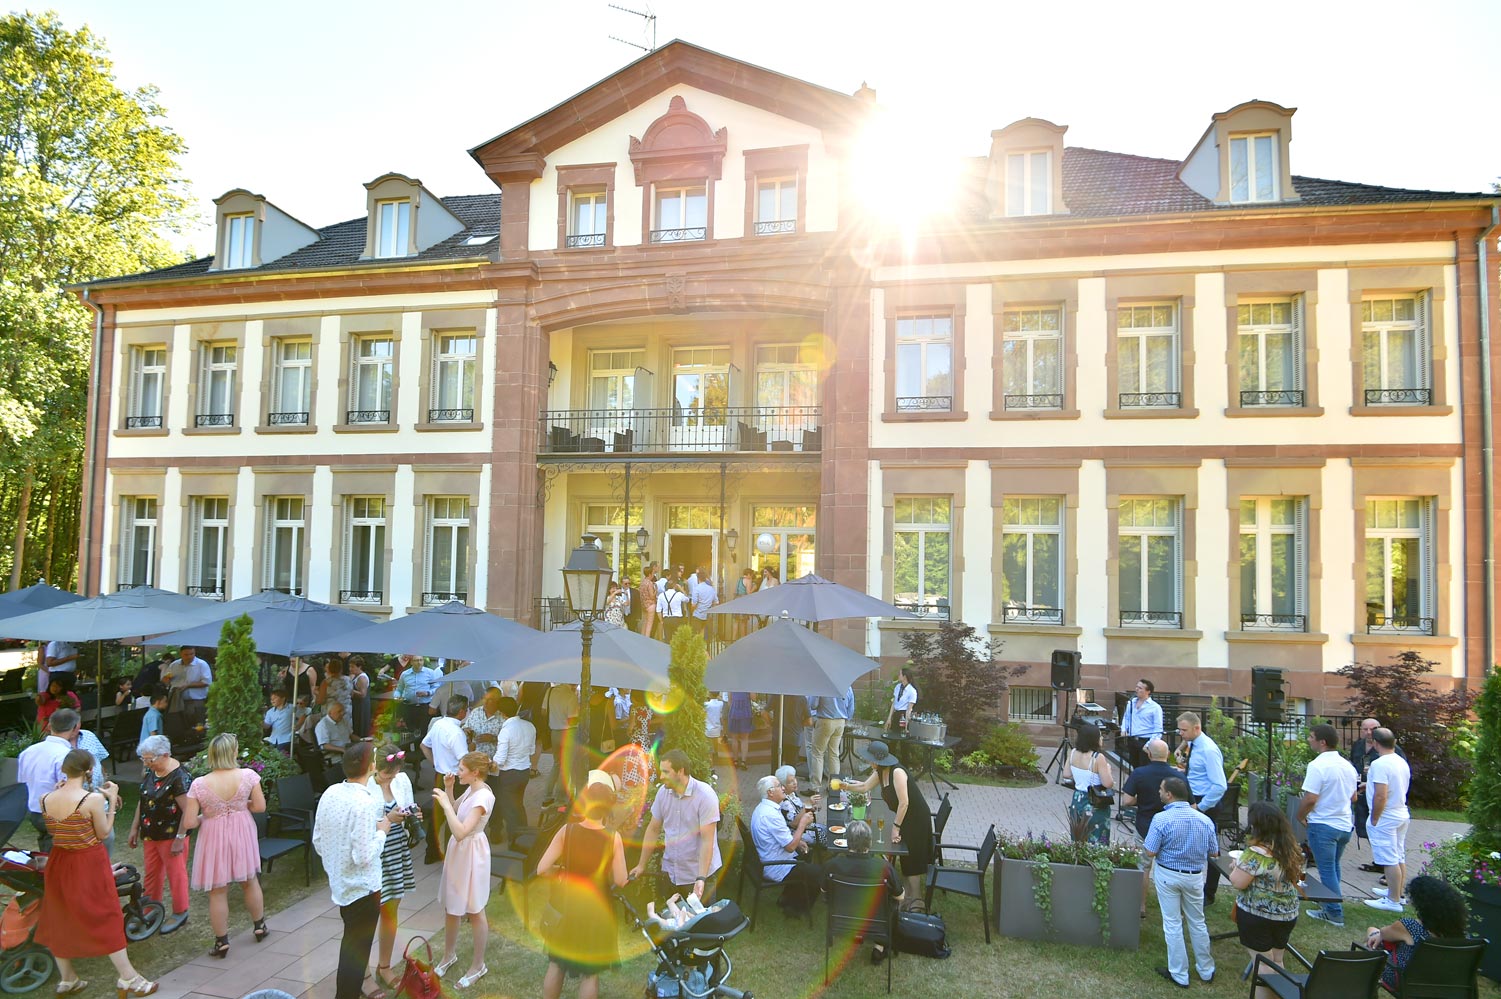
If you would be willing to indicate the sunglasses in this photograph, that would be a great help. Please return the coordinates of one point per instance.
(399, 755)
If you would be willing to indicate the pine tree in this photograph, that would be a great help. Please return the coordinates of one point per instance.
(1485, 782)
(685, 723)
(234, 696)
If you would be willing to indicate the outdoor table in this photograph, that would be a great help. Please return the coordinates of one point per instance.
(929, 747)
(875, 812)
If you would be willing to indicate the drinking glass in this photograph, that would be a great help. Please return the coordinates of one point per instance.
(880, 830)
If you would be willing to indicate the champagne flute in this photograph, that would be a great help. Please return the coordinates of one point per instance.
(880, 830)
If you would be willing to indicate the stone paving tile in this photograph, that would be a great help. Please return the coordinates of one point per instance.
(180, 981)
(312, 967)
(235, 981)
(324, 988)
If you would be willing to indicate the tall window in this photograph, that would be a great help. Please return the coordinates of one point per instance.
(776, 206)
(1032, 358)
(148, 378)
(612, 379)
(1151, 562)
(364, 551)
(447, 571)
(286, 528)
(1395, 351)
(1273, 570)
(587, 217)
(453, 378)
(370, 382)
(208, 547)
(786, 390)
(617, 535)
(393, 228)
(1271, 352)
(920, 559)
(1032, 559)
(1253, 167)
(137, 541)
(792, 531)
(1147, 353)
(239, 241)
(924, 364)
(216, 392)
(1399, 565)
(292, 383)
(700, 390)
(682, 213)
(1029, 183)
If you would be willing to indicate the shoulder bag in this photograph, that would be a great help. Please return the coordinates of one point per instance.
(417, 978)
(1099, 797)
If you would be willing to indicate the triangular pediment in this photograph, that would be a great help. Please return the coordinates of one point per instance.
(521, 152)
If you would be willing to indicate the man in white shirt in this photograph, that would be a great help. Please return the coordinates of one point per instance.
(349, 833)
(444, 745)
(189, 677)
(513, 757)
(672, 606)
(1387, 781)
(1328, 788)
(704, 596)
(562, 700)
(40, 767)
(776, 844)
(714, 718)
(57, 657)
(333, 731)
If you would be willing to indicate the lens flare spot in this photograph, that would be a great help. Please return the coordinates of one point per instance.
(665, 702)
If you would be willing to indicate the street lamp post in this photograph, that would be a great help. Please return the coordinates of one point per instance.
(586, 582)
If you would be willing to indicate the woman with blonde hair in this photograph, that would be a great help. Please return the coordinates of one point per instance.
(218, 805)
(465, 887)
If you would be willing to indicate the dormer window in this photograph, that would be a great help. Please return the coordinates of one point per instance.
(393, 221)
(239, 241)
(1253, 167)
(1024, 175)
(776, 206)
(1029, 180)
(682, 214)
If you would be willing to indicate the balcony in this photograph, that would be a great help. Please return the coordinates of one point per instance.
(432, 598)
(357, 416)
(1018, 614)
(584, 239)
(291, 591)
(1271, 397)
(937, 610)
(1037, 400)
(1399, 397)
(1151, 619)
(1274, 622)
(214, 420)
(717, 430)
(689, 235)
(361, 596)
(286, 419)
(143, 423)
(924, 403)
(207, 592)
(450, 416)
(1151, 400)
(1382, 624)
(775, 227)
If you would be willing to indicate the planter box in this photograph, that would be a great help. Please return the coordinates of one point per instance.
(9, 766)
(1485, 921)
(1074, 922)
(1300, 831)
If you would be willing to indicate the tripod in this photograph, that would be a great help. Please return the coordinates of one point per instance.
(1065, 744)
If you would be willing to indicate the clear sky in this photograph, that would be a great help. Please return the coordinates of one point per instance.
(305, 101)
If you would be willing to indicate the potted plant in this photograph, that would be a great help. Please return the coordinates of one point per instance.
(1065, 892)
(12, 744)
(859, 804)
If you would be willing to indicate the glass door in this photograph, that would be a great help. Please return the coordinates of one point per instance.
(700, 397)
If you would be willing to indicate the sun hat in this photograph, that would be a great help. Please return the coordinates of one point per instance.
(878, 754)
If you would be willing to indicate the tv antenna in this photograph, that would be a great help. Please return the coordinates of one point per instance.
(651, 22)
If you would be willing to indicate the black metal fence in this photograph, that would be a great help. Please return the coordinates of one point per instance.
(737, 429)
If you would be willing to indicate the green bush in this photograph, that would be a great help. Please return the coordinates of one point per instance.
(871, 701)
(1008, 745)
(234, 696)
(1484, 810)
(685, 723)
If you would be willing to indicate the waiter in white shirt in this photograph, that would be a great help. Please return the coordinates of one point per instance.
(444, 745)
(1141, 722)
(672, 608)
(513, 758)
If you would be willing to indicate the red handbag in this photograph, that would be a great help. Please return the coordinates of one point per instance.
(418, 981)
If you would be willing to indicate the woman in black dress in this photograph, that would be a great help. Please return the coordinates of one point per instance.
(579, 933)
(912, 818)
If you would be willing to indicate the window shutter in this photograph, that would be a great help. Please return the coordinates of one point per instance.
(428, 583)
(195, 543)
(268, 550)
(1300, 557)
(1299, 350)
(126, 540)
(1177, 564)
(137, 360)
(1425, 341)
(348, 546)
(1426, 556)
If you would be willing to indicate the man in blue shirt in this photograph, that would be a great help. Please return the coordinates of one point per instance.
(1182, 842)
(153, 722)
(1206, 779)
(829, 717)
(1141, 722)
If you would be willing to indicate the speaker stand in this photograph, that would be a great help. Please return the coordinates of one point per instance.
(1065, 745)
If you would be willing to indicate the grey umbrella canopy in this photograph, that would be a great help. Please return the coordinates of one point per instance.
(133, 613)
(811, 598)
(618, 658)
(786, 658)
(38, 596)
(452, 630)
(279, 628)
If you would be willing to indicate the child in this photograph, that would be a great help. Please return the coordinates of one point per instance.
(153, 721)
(278, 721)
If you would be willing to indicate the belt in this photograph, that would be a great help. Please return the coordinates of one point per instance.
(1176, 870)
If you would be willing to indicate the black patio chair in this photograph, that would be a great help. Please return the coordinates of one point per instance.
(274, 848)
(752, 867)
(1441, 969)
(1227, 817)
(859, 909)
(295, 801)
(1334, 974)
(125, 736)
(968, 881)
(940, 823)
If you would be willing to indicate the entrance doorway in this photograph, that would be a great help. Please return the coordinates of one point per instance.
(691, 549)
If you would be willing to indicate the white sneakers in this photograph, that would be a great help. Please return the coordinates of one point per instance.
(1383, 903)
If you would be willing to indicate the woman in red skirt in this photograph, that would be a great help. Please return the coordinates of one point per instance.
(80, 909)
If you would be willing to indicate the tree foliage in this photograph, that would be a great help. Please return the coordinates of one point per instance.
(89, 186)
(959, 675)
(1485, 782)
(685, 723)
(234, 696)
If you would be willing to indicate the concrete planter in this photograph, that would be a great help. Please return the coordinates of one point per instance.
(8, 770)
(1485, 921)
(1074, 921)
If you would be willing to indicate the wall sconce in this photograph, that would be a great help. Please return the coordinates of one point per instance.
(642, 540)
(552, 373)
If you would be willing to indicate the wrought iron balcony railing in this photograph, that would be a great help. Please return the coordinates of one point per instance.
(207, 592)
(549, 612)
(1018, 614)
(361, 596)
(1381, 623)
(431, 598)
(214, 420)
(286, 419)
(687, 235)
(936, 611)
(1274, 622)
(367, 416)
(732, 429)
(126, 585)
(1035, 400)
(143, 423)
(291, 591)
(1272, 397)
(584, 239)
(924, 403)
(1151, 619)
(450, 416)
(1399, 397)
(774, 227)
(1151, 400)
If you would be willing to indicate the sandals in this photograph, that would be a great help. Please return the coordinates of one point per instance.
(442, 968)
(137, 986)
(261, 931)
(469, 980)
(221, 946)
(68, 988)
(383, 980)
(374, 992)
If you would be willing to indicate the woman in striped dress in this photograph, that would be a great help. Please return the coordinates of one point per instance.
(393, 789)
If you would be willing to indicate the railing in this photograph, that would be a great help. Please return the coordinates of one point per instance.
(431, 598)
(924, 403)
(291, 591)
(122, 585)
(1018, 614)
(679, 235)
(549, 612)
(774, 227)
(143, 423)
(1151, 400)
(1030, 704)
(367, 416)
(1274, 622)
(361, 596)
(936, 611)
(584, 239)
(1239, 711)
(206, 592)
(1151, 619)
(735, 429)
(1272, 397)
(286, 419)
(1381, 623)
(450, 416)
(214, 420)
(1036, 400)
(1399, 397)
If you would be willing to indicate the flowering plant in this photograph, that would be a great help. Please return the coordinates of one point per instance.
(1460, 862)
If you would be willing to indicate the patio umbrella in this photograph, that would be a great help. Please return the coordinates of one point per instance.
(786, 658)
(38, 596)
(811, 598)
(452, 630)
(618, 657)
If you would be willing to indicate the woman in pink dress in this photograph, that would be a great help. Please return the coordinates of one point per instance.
(465, 887)
(228, 851)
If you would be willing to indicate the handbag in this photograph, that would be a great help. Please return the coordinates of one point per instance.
(1099, 797)
(417, 978)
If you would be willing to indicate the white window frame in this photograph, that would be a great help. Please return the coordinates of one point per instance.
(590, 232)
(1026, 341)
(1244, 145)
(449, 527)
(365, 530)
(444, 360)
(286, 521)
(679, 229)
(941, 602)
(138, 520)
(219, 364)
(142, 374)
(1143, 335)
(783, 191)
(1421, 328)
(1034, 607)
(369, 366)
(925, 332)
(1263, 529)
(239, 241)
(1423, 533)
(1151, 617)
(284, 412)
(209, 533)
(1029, 182)
(1246, 326)
(393, 227)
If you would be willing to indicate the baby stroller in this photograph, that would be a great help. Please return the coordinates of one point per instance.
(25, 964)
(691, 961)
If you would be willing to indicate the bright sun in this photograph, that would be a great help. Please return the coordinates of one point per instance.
(901, 176)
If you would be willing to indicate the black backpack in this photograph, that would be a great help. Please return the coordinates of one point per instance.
(922, 933)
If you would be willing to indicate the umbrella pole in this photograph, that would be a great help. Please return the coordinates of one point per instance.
(99, 692)
(781, 728)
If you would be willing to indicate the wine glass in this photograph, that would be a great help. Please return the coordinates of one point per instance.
(880, 830)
